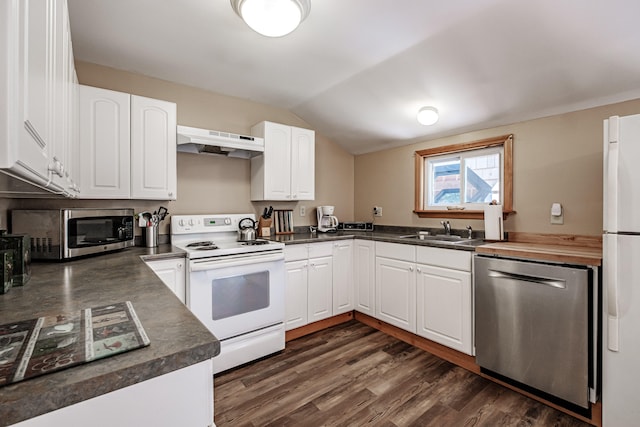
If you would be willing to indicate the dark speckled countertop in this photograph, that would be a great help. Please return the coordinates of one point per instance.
(178, 339)
(379, 236)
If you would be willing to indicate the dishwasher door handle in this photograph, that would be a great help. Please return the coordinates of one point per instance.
(554, 283)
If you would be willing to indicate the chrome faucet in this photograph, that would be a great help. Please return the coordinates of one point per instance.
(447, 227)
(470, 231)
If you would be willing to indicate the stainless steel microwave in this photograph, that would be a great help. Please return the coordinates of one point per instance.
(58, 234)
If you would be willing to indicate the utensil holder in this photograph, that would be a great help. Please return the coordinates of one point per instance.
(264, 227)
(151, 236)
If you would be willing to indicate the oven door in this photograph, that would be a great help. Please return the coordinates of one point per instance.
(239, 294)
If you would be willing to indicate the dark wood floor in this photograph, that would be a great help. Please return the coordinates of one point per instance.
(354, 375)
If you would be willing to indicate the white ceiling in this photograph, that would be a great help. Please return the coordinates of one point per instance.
(358, 70)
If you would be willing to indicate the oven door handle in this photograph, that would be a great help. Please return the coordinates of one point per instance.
(234, 261)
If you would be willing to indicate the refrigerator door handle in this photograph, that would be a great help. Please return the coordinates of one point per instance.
(611, 200)
(612, 292)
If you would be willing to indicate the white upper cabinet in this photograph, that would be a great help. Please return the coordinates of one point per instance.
(303, 160)
(37, 88)
(153, 149)
(128, 146)
(286, 170)
(105, 143)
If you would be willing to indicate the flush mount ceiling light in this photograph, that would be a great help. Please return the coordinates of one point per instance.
(428, 116)
(272, 18)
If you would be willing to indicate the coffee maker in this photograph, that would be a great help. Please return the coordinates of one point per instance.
(327, 223)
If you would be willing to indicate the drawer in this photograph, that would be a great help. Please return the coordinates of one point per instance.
(447, 258)
(320, 249)
(296, 252)
(396, 251)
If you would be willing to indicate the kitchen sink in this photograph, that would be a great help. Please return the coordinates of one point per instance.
(443, 238)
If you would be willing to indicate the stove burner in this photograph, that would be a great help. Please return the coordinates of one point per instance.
(205, 248)
(255, 242)
(203, 245)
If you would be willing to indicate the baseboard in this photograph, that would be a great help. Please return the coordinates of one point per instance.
(318, 326)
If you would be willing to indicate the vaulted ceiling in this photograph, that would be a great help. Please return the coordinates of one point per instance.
(358, 70)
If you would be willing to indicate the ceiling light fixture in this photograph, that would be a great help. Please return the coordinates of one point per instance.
(272, 18)
(428, 116)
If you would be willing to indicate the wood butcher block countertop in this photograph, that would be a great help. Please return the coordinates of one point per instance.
(569, 249)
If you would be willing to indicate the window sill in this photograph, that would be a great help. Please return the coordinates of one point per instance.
(460, 214)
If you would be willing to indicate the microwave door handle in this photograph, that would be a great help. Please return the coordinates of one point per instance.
(248, 259)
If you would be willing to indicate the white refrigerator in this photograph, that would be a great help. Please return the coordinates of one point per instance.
(621, 273)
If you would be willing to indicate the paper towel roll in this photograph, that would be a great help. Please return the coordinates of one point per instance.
(493, 222)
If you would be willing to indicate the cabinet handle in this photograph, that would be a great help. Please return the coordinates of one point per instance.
(418, 269)
(411, 268)
(57, 167)
(295, 196)
(180, 265)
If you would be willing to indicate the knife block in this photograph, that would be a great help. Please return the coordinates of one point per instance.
(264, 227)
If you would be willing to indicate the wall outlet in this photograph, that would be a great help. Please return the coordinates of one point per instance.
(303, 210)
(557, 214)
(377, 211)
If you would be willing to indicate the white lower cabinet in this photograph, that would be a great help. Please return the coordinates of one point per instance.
(318, 281)
(296, 294)
(364, 269)
(319, 285)
(179, 398)
(309, 276)
(396, 293)
(172, 273)
(342, 276)
(426, 291)
(396, 285)
(444, 297)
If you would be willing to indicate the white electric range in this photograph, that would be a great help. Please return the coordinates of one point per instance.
(236, 289)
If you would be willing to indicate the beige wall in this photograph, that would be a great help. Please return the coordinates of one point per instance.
(212, 184)
(556, 159)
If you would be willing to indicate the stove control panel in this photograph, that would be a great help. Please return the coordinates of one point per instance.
(186, 224)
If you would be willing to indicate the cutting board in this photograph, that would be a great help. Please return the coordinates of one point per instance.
(34, 347)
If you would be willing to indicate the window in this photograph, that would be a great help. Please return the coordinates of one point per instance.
(457, 180)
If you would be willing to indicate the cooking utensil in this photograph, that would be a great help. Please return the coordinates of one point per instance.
(247, 230)
(162, 213)
(270, 212)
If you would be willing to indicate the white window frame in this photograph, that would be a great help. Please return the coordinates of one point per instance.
(461, 158)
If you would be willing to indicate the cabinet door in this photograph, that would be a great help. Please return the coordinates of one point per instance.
(319, 301)
(277, 161)
(303, 160)
(396, 293)
(296, 294)
(186, 394)
(153, 149)
(105, 144)
(364, 276)
(32, 153)
(342, 277)
(62, 93)
(444, 307)
(172, 273)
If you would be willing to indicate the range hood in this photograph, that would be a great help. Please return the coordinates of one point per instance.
(203, 141)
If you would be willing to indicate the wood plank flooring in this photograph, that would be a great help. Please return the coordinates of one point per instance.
(354, 375)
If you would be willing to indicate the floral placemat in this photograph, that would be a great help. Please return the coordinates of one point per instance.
(34, 347)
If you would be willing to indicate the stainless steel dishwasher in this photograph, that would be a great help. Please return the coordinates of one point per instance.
(536, 324)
